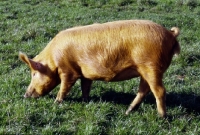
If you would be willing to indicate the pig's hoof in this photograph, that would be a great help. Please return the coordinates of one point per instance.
(58, 101)
(164, 115)
(85, 99)
(128, 110)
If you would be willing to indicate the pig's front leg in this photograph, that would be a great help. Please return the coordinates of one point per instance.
(85, 87)
(65, 87)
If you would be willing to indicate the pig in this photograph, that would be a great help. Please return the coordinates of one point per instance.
(112, 51)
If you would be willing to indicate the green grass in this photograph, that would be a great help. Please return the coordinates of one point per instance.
(28, 25)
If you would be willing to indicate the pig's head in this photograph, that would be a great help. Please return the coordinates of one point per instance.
(43, 79)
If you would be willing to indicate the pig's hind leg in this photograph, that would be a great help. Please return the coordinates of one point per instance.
(154, 79)
(143, 90)
(85, 87)
(159, 92)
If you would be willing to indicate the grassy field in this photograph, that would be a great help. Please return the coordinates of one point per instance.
(28, 25)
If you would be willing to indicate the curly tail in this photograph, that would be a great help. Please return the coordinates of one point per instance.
(176, 47)
(175, 31)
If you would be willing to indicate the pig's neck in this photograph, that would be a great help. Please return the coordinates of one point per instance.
(46, 58)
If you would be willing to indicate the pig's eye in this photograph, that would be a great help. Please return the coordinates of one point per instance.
(34, 74)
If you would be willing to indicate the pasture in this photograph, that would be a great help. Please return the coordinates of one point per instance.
(28, 25)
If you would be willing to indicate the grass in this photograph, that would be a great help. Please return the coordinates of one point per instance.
(28, 25)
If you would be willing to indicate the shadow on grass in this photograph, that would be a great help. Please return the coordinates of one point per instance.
(189, 101)
(192, 59)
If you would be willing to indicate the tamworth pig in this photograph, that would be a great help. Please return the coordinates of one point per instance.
(113, 51)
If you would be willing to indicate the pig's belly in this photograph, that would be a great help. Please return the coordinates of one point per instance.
(125, 74)
(110, 75)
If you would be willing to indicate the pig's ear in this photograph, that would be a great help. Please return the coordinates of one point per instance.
(32, 64)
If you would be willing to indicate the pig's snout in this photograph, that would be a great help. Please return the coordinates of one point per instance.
(26, 95)
(33, 94)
